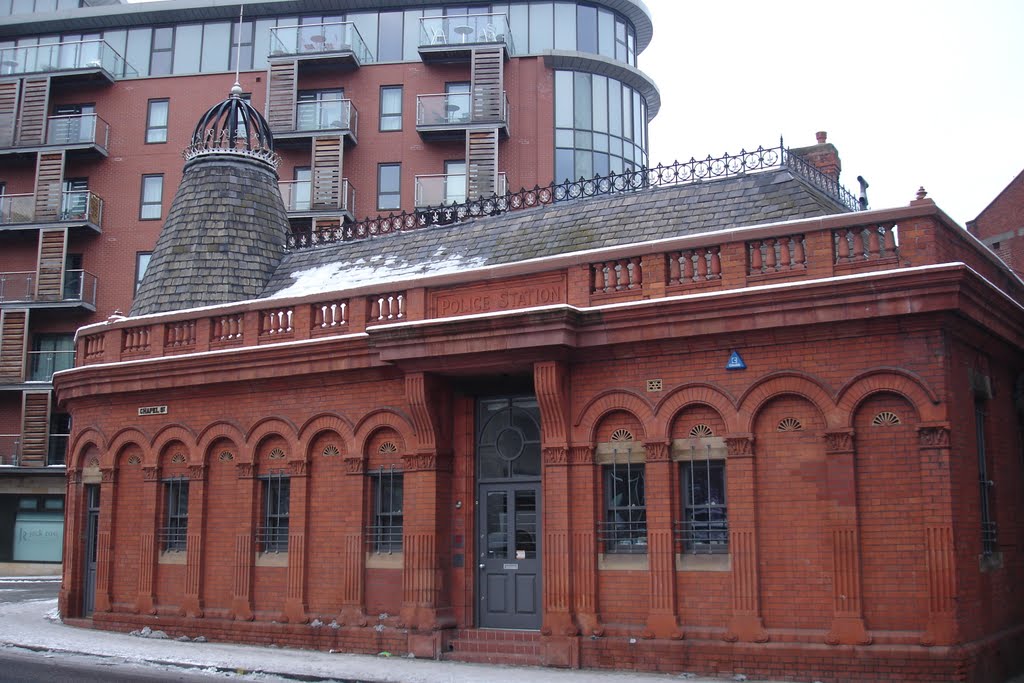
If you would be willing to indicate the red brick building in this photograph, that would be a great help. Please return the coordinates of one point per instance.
(375, 109)
(1000, 225)
(722, 426)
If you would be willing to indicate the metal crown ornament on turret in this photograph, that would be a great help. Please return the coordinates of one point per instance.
(226, 229)
(233, 127)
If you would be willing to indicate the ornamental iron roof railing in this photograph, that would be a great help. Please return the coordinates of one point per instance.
(678, 173)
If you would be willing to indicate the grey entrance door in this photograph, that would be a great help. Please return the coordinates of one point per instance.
(508, 513)
(92, 526)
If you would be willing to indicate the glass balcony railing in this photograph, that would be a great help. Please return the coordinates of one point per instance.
(20, 287)
(447, 189)
(77, 129)
(42, 364)
(454, 109)
(326, 115)
(300, 196)
(10, 449)
(17, 209)
(76, 206)
(70, 56)
(319, 40)
(466, 30)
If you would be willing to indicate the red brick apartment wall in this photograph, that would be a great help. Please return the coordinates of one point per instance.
(802, 487)
(1002, 221)
(527, 157)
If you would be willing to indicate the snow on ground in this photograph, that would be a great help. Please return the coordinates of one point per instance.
(36, 625)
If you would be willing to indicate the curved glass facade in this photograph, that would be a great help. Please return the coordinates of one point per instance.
(391, 36)
(600, 126)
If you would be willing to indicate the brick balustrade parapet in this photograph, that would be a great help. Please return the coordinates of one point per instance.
(810, 249)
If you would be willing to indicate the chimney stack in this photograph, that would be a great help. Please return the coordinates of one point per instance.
(823, 156)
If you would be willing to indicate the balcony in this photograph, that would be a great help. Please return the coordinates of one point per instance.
(448, 116)
(304, 199)
(10, 450)
(83, 59)
(42, 364)
(452, 39)
(68, 209)
(445, 190)
(323, 118)
(84, 134)
(333, 43)
(21, 288)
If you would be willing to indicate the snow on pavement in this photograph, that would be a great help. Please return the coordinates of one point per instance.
(36, 625)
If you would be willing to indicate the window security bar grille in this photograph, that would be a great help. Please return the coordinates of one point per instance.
(385, 534)
(272, 536)
(174, 534)
(624, 529)
(988, 524)
(705, 526)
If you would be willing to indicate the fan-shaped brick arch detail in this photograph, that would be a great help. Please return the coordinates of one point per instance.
(594, 413)
(175, 433)
(708, 395)
(121, 440)
(211, 440)
(890, 380)
(327, 429)
(274, 426)
(173, 454)
(368, 426)
(781, 384)
(80, 443)
(384, 442)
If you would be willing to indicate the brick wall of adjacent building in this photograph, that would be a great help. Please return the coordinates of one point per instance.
(1000, 225)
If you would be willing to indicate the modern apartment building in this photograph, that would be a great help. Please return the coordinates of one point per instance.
(376, 108)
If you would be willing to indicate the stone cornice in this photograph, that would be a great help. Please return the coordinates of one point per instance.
(553, 331)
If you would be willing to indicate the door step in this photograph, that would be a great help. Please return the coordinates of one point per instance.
(494, 646)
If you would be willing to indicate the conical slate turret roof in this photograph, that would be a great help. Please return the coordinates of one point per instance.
(225, 233)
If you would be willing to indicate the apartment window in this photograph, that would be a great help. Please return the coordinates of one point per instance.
(385, 533)
(151, 208)
(454, 182)
(704, 528)
(988, 522)
(624, 529)
(241, 44)
(72, 124)
(389, 194)
(156, 121)
(161, 55)
(391, 107)
(141, 264)
(321, 109)
(60, 431)
(74, 278)
(458, 103)
(273, 534)
(74, 202)
(174, 535)
(50, 353)
(301, 196)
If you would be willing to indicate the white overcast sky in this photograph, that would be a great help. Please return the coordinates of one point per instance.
(911, 92)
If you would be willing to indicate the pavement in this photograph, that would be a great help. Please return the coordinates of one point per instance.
(34, 625)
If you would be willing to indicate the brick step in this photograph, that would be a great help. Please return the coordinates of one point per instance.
(507, 658)
(494, 646)
(496, 635)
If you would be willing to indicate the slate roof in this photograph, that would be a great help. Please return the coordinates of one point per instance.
(223, 238)
(561, 228)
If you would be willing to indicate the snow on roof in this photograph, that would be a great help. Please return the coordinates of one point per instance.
(339, 275)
